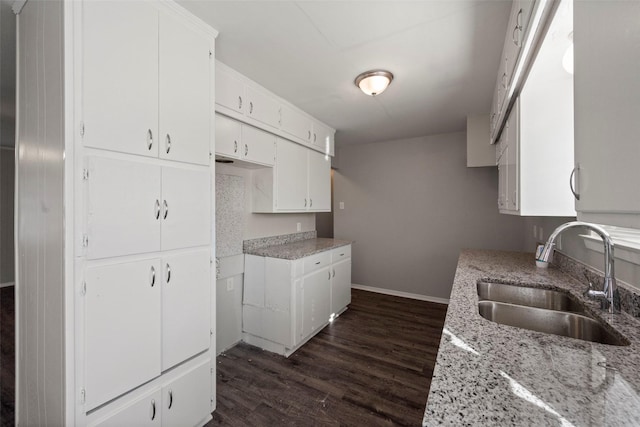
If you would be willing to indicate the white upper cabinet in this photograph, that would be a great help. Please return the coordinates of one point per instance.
(296, 124)
(229, 90)
(186, 296)
(146, 86)
(185, 112)
(237, 140)
(120, 71)
(122, 328)
(607, 101)
(291, 176)
(262, 107)
(319, 181)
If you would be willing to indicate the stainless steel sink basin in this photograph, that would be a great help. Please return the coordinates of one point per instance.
(567, 324)
(531, 297)
(542, 310)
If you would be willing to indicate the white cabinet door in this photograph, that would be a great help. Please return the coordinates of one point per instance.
(186, 297)
(142, 412)
(258, 146)
(121, 328)
(184, 92)
(228, 137)
(319, 169)
(122, 207)
(316, 301)
(186, 208)
(229, 90)
(186, 400)
(322, 138)
(606, 102)
(120, 77)
(340, 285)
(262, 107)
(296, 124)
(291, 176)
(512, 157)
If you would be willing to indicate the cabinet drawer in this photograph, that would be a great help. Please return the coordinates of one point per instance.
(341, 253)
(317, 261)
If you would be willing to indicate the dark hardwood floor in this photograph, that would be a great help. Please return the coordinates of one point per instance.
(371, 367)
(7, 356)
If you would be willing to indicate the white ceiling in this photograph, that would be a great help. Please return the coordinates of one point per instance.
(444, 56)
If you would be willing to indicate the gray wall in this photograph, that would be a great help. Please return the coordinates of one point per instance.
(40, 372)
(411, 206)
(7, 137)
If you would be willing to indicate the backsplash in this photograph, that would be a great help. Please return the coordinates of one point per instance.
(278, 240)
(629, 300)
(229, 214)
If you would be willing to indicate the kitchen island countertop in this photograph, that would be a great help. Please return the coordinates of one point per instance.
(491, 374)
(297, 250)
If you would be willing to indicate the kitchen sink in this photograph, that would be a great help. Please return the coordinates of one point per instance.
(531, 297)
(542, 310)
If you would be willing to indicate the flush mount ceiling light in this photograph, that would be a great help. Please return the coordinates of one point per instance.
(374, 82)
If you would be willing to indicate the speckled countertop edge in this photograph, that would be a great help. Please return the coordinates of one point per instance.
(297, 250)
(492, 374)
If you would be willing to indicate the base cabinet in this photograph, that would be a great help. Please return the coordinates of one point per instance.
(286, 302)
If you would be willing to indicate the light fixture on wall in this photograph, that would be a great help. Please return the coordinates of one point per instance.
(374, 82)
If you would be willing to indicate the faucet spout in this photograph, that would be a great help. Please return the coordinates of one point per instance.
(609, 287)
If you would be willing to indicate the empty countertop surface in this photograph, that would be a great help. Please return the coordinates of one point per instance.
(297, 250)
(491, 374)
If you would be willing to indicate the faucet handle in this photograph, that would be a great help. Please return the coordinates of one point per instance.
(587, 293)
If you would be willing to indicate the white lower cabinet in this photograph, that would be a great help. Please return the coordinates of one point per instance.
(286, 302)
(181, 401)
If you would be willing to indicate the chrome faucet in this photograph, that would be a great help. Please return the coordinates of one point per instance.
(609, 292)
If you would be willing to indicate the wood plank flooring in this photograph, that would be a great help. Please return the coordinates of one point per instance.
(371, 367)
(7, 356)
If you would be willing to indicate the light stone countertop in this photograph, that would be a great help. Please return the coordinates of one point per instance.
(489, 374)
(297, 250)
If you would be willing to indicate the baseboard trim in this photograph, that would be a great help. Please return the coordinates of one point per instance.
(6, 284)
(400, 294)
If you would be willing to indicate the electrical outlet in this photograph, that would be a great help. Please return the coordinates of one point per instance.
(535, 231)
(230, 284)
(298, 226)
(341, 205)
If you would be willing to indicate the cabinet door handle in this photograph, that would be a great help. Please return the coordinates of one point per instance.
(168, 273)
(153, 276)
(246, 149)
(235, 147)
(157, 209)
(165, 208)
(518, 27)
(251, 107)
(334, 273)
(310, 202)
(170, 399)
(309, 134)
(572, 182)
(168, 143)
(329, 278)
(317, 262)
(504, 80)
(314, 137)
(305, 203)
(153, 409)
(239, 102)
(149, 139)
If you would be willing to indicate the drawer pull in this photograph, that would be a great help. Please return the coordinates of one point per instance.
(572, 182)
(153, 276)
(317, 262)
(153, 409)
(170, 399)
(168, 273)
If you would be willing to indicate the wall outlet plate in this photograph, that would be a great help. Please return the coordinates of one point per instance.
(230, 284)
(298, 226)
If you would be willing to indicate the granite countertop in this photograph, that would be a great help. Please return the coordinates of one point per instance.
(299, 249)
(492, 374)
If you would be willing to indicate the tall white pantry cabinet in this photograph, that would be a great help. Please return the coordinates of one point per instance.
(115, 237)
